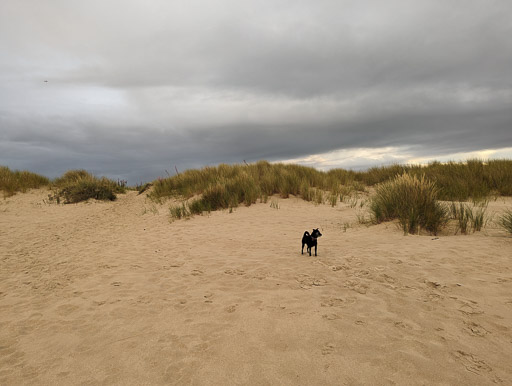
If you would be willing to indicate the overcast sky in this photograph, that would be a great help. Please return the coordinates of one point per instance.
(129, 89)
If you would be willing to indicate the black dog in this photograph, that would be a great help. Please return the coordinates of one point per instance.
(310, 240)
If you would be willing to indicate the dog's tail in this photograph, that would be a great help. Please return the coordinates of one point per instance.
(306, 233)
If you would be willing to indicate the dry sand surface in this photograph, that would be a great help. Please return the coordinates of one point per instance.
(113, 293)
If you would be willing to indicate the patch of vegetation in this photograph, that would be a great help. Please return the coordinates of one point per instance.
(413, 201)
(72, 176)
(505, 221)
(79, 185)
(468, 219)
(456, 181)
(143, 187)
(274, 204)
(179, 211)
(12, 182)
(251, 181)
(227, 186)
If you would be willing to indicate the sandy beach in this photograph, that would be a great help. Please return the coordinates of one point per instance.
(113, 293)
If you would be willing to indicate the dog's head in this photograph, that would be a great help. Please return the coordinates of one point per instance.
(316, 233)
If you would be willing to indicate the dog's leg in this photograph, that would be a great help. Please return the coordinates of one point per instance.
(309, 250)
(315, 250)
(302, 252)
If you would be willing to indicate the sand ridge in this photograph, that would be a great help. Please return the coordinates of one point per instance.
(113, 293)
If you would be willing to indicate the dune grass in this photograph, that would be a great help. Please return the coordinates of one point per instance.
(248, 182)
(505, 221)
(413, 201)
(79, 185)
(73, 186)
(15, 181)
(227, 186)
(457, 181)
(469, 219)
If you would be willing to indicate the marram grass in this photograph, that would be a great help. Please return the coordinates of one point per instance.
(12, 182)
(79, 185)
(468, 219)
(457, 181)
(227, 186)
(73, 186)
(413, 201)
(505, 221)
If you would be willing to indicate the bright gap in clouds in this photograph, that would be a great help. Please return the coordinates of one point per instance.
(364, 158)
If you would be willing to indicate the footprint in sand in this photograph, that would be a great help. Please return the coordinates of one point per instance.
(431, 297)
(474, 329)
(362, 273)
(308, 282)
(208, 298)
(107, 266)
(328, 349)
(339, 267)
(384, 278)
(143, 299)
(470, 308)
(434, 297)
(357, 285)
(261, 275)
(231, 309)
(180, 304)
(196, 272)
(433, 284)
(472, 363)
(331, 316)
(338, 302)
(402, 325)
(238, 272)
(173, 265)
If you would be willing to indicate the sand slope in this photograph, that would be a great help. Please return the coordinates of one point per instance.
(112, 293)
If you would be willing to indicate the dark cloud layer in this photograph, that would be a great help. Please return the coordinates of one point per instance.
(130, 89)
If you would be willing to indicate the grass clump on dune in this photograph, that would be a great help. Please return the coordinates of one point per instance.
(227, 186)
(12, 182)
(246, 182)
(457, 181)
(413, 201)
(468, 219)
(79, 185)
(505, 221)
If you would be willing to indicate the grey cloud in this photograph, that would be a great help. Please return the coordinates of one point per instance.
(135, 88)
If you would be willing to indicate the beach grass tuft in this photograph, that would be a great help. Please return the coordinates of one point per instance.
(413, 201)
(457, 181)
(469, 219)
(505, 221)
(15, 181)
(79, 185)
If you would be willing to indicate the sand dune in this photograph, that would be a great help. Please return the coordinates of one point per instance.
(112, 293)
